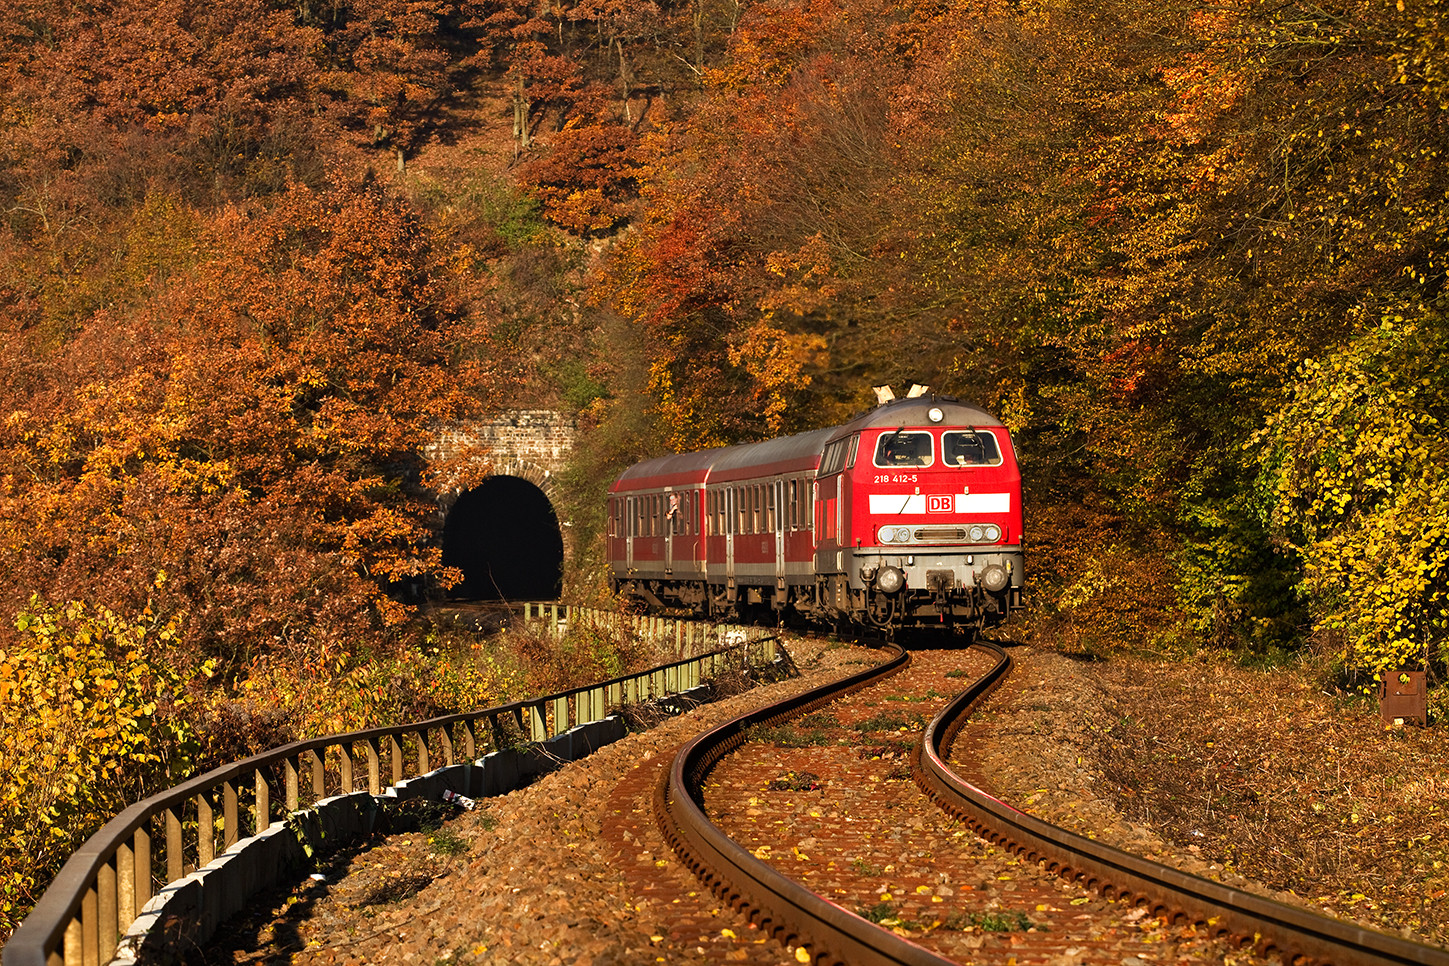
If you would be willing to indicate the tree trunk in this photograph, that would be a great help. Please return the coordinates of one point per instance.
(520, 119)
(626, 78)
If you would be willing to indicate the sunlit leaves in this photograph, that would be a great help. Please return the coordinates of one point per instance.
(1357, 464)
(255, 432)
(89, 706)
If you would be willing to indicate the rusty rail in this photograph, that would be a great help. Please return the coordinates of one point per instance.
(784, 908)
(1275, 928)
(104, 886)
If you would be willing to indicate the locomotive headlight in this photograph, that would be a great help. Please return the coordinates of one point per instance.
(934, 414)
(993, 533)
(890, 580)
(894, 535)
(976, 534)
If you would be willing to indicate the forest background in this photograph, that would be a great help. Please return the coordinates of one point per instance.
(252, 254)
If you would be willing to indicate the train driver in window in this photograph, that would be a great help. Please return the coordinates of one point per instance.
(904, 449)
(971, 449)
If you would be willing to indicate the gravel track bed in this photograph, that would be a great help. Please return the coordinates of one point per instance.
(572, 869)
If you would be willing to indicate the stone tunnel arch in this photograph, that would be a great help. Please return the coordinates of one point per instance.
(505, 533)
(505, 537)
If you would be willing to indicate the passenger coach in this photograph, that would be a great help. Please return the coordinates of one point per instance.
(907, 515)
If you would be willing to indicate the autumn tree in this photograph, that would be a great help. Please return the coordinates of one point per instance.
(243, 452)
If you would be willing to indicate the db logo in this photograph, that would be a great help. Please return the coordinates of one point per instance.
(940, 503)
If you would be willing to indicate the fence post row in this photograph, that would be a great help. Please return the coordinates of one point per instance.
(107, 883)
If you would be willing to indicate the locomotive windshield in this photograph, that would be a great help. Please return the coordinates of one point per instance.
(903, 449)
(970, 448)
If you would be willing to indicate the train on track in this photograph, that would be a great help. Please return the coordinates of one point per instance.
(908, 515)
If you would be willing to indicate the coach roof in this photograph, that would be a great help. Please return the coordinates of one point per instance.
(793, 453)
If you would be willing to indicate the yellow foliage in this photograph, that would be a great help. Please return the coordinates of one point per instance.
(1357, 468)
(88, 705)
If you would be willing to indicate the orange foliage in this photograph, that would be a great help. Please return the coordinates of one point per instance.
(245, 446)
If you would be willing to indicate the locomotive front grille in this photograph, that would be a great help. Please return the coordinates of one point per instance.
(941, 534)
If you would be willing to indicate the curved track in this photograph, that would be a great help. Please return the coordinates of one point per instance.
(824, 932)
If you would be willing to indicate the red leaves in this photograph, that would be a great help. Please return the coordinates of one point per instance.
(589, 178)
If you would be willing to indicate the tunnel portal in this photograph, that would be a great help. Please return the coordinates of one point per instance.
(505, 537)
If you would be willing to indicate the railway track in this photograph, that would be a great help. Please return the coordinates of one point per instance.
(776, 812)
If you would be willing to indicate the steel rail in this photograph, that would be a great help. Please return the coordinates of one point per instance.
(785, 909)
(1293, 933)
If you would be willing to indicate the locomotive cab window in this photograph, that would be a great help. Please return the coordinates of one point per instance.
(970, 448)
(903, 449)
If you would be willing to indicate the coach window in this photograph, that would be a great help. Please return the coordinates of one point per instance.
(903, 449)
(771, 520)
(792, 508)
(755, 510)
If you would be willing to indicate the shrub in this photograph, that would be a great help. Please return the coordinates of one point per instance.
(90, 707)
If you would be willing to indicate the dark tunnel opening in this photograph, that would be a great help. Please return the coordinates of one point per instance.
(505, 537)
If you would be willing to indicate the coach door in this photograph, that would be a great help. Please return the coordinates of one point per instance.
(630, 528)
(673, 514)
(775, 513)
(731, 525)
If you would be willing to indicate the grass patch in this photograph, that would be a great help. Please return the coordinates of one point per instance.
(889, 721)
(795, 781)
(879, 913)
(447, 842)
(1000, 921)
(787, 736)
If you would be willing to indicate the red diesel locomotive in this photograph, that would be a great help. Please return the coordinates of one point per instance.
(907, 515)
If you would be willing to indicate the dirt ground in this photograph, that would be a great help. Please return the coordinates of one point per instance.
(1259, 779)
(1246, 776)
